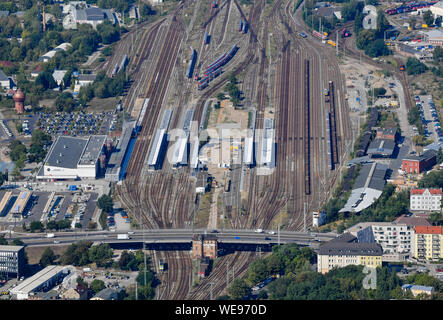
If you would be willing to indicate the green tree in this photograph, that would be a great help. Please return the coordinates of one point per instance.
(3, 241)
(105, 203)
(47, 258)
(17, 242)
(36, 225)
(258, 271)
(77, 254)
(239, 289)
(97, 285)
(435, 218)
(101, 255)
(414, 66)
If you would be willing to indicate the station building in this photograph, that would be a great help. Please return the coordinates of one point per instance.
(71, 158)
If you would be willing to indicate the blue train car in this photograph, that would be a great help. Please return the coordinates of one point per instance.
(240, 27)
(245, 27)
(207, 38)
(191, 65)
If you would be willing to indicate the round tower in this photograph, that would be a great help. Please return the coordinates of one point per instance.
(19, 98)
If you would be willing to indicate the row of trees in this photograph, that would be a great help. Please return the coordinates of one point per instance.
(36, 153)
(288, 260)
(103, 87)
(83, 253)
(298, 282)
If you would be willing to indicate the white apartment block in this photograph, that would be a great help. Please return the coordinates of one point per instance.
(425, 199)
(396, 239)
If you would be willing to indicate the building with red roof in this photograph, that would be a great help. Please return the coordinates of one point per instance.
(425, 199)
(428, 242)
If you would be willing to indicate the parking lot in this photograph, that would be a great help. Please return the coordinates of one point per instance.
(76, 124)
(429, 117)
(56, 210)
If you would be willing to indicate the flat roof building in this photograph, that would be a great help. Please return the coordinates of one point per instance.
(12, 260)
(44, 280)
(72, 158)
(381, 148)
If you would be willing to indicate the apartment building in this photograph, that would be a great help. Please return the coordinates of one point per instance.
(345, 250)
(396, 239)
(425, 199)
(428, 242)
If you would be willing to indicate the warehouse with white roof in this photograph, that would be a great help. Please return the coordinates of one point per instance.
(73, 158)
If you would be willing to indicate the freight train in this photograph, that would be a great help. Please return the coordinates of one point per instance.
(409, 7)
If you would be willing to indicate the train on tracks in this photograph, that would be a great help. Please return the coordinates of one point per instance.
(307, 134)
(215, 68)
(119, 67)
(333, 123)
(409, 7)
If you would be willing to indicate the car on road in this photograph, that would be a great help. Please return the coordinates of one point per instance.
(236, 237)
(267, 238)
(271, 232)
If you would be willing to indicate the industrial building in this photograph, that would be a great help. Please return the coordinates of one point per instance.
(367, 187)
(50, 54)
(345, 250)
(86, 14)
(12, 260)
(381, 148)
(41, 281)
(114, 171)
(158, 145)
(267, 155)
(71, 158)
(204, 245)
(418, 164)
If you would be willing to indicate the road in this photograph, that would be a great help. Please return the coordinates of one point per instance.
(170, 236)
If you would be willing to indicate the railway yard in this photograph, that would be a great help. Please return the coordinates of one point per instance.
(282, 78)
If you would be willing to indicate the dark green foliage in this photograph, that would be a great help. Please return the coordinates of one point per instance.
(377, 48)
(258, 271)
(105, 203)
(17, 242)
(36, 225)
(77, 254)
(146, 10)
(65, 102)
(108, 32)
(101, 255)
(3, 241)
(351, 9)
(415, 119)
(97, 285)
(239, 289)
(414, 66)
(129, 261)
(40, 141)
(45, 80)
(433, 179)
(47, 258)
(379, 91)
